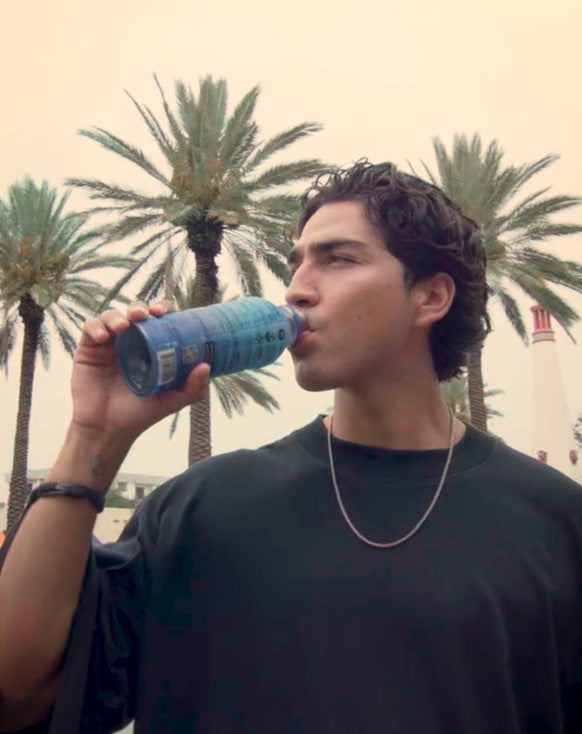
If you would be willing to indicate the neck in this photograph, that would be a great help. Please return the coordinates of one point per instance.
(404, 416)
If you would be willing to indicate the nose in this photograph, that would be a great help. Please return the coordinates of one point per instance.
(301, 291)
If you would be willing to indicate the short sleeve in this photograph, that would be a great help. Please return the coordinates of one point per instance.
(99, 676)
(98, 690)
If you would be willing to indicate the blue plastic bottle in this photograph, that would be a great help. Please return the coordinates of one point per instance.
(158, 353)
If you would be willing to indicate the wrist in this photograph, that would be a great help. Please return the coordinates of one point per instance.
(71, 491)
(90, 458)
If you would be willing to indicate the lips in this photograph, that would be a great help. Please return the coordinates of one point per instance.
(303, 339)
(309, 328)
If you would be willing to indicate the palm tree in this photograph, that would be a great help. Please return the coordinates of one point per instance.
(43, 256)
(456, 394)
(485, 190)
(217, 188)
(232, 391)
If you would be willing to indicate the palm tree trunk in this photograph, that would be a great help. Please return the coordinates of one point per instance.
(477, 408)
(32, 316)
(199, 444)
(204, 240)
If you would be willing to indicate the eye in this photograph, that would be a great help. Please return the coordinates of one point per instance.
(340, 259)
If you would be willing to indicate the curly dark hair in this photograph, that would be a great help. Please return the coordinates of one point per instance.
(429, 234)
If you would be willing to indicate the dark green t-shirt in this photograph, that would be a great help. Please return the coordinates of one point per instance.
(238, 602)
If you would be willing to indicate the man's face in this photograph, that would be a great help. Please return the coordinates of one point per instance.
(360, 314)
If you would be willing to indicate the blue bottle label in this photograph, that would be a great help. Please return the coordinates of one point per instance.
(166, 366)
(191, 354)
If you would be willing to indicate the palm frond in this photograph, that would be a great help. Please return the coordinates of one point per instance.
(524, 216)
(429, 174)
(246, 269)
(65, 337)
(278, 206)
(115, 290)
(513, 313)
(239, 132)
(277, 265)
(541, 231)
(270, 233)
(44, 345)
(125, 150)
(530, 199)
(92, 262)
(156, 130)
(212, 99)
(154, 284)
(8, 327)
(285, 173)
(527, 171)
(128, 226)
(564, 314)
(174, 423)
(152, 244)
(566, 273)
(72, 313)
(187, 110)
(172, 121)
(281, 141)
(101, 190)
(233, 391)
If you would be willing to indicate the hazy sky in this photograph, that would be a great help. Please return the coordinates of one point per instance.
(383, 77)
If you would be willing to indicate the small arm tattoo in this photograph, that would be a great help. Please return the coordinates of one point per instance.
(97, 465)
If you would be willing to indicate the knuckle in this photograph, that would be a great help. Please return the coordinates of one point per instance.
(92, 323)
(107, 314)
(168, 304)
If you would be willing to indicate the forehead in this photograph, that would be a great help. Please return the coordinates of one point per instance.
(338, 221)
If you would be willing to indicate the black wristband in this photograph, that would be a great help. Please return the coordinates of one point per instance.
(76, 491)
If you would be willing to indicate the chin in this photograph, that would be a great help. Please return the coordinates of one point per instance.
(314, 380)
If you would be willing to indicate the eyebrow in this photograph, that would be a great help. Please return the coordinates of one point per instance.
(324, 247)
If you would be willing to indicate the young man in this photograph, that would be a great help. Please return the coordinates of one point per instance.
(386, 569)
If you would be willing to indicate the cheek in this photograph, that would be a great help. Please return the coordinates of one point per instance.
(362, 334)
(372, 331)
(370, 318)
(363, 315)
(375, 304)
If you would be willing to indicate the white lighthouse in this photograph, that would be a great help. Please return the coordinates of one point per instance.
(552, 439)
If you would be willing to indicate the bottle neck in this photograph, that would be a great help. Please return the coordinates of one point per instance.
(295, 319)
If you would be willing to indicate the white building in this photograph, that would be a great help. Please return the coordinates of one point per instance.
(111, 521)
(552, 434)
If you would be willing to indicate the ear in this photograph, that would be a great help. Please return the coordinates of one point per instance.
(432, 298)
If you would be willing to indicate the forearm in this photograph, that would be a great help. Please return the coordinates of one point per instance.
(90, 458)
(44, 568)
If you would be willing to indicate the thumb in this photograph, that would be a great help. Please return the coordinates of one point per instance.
(194, 389)
(198, 381)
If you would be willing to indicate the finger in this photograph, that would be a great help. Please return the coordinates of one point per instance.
(137, 310)
(94, 331)
(114, 321)
(162, 306)
(197, 382)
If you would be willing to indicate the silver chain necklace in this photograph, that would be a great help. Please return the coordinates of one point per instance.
(419, 524)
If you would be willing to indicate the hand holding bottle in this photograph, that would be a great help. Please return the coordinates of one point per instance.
(101, 401)
(107, 417)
